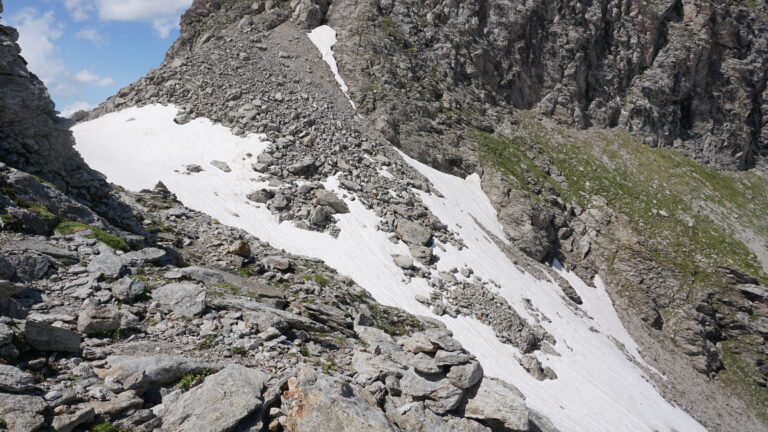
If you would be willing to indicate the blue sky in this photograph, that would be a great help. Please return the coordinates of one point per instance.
(86, 50)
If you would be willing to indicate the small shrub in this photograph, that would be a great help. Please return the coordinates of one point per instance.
(238, 350)
(208, 342)
(190, 380)
(318, 279)
(246, 272)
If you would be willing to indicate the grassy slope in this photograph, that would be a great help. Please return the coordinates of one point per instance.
(681, 209)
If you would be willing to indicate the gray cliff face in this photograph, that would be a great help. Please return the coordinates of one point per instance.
(32, 137)
(684, 74)
(690, 75)
(35, 140)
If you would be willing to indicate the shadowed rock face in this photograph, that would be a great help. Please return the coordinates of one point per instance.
(34, 139)
(684, 74)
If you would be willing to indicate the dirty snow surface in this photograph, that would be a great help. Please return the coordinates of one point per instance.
(599, 386)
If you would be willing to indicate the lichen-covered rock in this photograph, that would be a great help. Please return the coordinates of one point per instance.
(315, 402)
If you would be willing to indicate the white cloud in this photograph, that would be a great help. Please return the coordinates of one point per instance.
(74, 107)
(38, 34)
(87, 77)
(163, 15)
(79, 9)
(90, 34)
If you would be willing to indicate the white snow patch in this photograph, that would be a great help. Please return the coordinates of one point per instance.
(324, 38)
(598, 388)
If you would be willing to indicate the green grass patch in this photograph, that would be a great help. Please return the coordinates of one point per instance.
(318, 279)
(742, 375)
(393, 321)
(50, 219)
(104, 427)
(238, 350)
(113, 241)
(654, 188)
(190, 380)
(246, 272)
(329, 366)
(208, 342)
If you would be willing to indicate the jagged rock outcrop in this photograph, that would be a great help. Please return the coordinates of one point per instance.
(35, 140)
(684, 74)
(269, 340)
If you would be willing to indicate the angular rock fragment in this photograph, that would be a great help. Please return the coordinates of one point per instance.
(184, 299)
(15, 380)
(496, 401)
(45, 337)
(315, 402)
(141, 372)
(413, 234)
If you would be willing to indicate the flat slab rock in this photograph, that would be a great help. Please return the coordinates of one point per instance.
(15, 380)
(183, 299)
(141, 372)
(22, 413)
(219, 404)
(213, 277)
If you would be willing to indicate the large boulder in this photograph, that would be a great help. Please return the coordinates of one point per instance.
(67, 422)
(442, 396)
(414, 417)
(22, 413)
(30, 266)
(413, 234)
(95, 319)
(142, 372)
(496, 402)
(324, 197)
(106, 264)
(465, 375)
(219, 404)
(143, 256)
(315, 402)
(128, 289)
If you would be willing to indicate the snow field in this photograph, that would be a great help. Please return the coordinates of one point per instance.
(598, 387)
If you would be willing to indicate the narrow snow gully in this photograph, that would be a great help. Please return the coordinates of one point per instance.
(598, 388)
(324, 38)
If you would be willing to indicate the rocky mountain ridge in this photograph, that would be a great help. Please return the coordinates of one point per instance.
(268, 79)
(95, 327)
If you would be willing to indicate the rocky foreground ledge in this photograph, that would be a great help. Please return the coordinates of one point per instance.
(100, 333)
